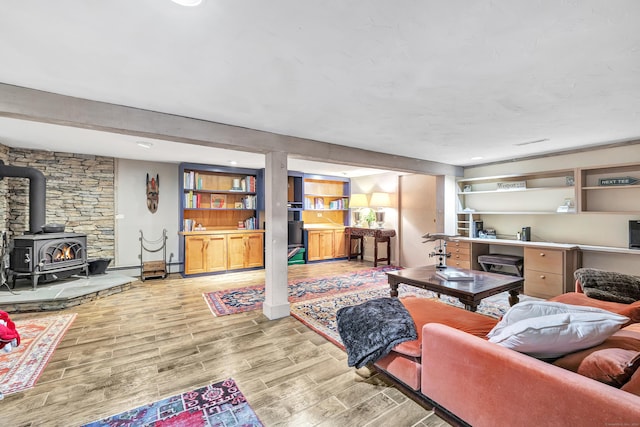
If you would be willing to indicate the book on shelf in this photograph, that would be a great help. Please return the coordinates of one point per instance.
(318, 203)
(454, 276)
(248, 184)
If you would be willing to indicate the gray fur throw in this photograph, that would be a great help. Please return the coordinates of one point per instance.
(370, 330)
(608, 285)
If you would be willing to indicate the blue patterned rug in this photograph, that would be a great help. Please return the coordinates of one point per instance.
(220, 404)
(249, 298)
(320, 313)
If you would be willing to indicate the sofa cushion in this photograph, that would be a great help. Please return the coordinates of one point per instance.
(609, 285)
(632, 311)
(424, 310)
(555, 335)
(627, 338)
(530, 309)
(612, 366)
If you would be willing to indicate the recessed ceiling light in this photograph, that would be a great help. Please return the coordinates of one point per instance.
(188, 3)
(233, 162)
(477, 158)
(146, 145)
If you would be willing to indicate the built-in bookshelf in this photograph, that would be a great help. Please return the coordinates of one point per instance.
(217, 199)
(326, 200)
(219, 219)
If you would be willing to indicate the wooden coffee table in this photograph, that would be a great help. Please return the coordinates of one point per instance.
(469, 292)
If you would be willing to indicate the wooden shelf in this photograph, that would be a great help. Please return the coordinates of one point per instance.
(614, 199)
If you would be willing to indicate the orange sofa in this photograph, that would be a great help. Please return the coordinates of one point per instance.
(469, 380)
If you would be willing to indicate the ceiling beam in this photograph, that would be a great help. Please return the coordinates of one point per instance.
(46, 107)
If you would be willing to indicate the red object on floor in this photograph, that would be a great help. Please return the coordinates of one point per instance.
(8, 332)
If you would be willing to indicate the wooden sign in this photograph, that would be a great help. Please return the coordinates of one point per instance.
(624, 180)
(512, 186)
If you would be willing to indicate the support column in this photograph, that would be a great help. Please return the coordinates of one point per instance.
(276, 298)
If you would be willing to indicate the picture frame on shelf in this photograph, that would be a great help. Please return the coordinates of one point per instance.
(218, 201)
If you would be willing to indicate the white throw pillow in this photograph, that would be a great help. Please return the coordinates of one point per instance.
(528, 309)
(555, 335)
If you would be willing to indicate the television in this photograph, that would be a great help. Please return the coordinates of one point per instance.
(295, 230)
(634, 234)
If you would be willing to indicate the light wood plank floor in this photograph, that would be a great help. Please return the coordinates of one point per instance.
(159, 339)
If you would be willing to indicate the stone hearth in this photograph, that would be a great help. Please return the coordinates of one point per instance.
(63, 293)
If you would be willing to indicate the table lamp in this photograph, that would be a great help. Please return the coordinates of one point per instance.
(380, 201)
(357, 202)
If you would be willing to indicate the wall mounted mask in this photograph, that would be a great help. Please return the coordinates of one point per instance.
(153, 187)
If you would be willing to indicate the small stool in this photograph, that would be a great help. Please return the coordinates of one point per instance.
(487, 261)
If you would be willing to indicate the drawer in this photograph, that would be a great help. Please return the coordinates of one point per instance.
(453, 244)
(547, 260)
(460, 264)
(542, 285)
(459, 250)
(460, 257)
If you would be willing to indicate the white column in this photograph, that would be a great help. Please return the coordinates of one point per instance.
(276, 299)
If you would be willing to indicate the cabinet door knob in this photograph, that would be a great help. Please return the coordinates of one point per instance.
(542, 276)
(541, 253)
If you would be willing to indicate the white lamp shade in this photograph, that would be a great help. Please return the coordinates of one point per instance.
(358, 201)
(380, 200)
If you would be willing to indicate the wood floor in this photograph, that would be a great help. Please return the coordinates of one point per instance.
(159, 339)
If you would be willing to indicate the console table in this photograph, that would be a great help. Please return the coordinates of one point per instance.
(381, 235)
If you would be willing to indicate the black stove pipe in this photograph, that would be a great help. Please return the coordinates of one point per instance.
(37, 193)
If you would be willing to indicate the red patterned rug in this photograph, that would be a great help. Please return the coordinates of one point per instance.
(221, 404)
(21, 368)
(319, 314)
(249, 298)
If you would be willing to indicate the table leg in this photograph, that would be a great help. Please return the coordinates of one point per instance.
(375, 252)
(394, 288)
(513, 297)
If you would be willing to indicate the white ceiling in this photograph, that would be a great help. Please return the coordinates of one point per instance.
(447, 81)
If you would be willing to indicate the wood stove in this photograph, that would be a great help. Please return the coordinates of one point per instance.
(45, 252)
(49, 256)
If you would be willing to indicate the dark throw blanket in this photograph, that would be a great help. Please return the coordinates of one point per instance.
(370, 330)
(608, 285)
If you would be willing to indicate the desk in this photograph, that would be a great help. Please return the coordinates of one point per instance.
(381, 235)
(548, 267)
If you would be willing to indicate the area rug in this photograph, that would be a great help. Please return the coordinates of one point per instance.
(217, 405)
(249, 298)
(319, 314)
(39, 337)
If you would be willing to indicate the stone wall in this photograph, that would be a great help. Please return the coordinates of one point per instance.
(80, 194)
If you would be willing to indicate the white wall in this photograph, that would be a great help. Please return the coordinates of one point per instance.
(132, 214)
(384, 183)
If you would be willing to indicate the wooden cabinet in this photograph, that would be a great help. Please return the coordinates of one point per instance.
(616, 199)
(219, 216)
(339, 244)
(549, 272)
(245, 250)
(460, 254)
(216, 252)
(205, 253)
(326, 244)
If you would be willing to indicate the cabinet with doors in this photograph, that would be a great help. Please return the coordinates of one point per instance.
(325, 244)
(219, 218)
(610, 189)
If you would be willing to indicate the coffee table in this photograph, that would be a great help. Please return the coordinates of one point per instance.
(469, 292)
